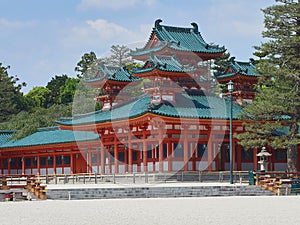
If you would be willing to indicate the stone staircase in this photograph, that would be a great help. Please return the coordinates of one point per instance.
(156, 192)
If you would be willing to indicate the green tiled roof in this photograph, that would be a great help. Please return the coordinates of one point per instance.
(202, 107)
(243, 68)
(179, 38)
(164, 63)
(48, 137)
(112, 73)
(5, 135)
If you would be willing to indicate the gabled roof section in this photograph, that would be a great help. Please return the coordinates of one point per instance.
(236, 67)
(112, 73)
(187, 106)
(177, 38)
(51, 136)
(164, 63)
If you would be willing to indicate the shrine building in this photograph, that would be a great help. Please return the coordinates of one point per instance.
(160, 117)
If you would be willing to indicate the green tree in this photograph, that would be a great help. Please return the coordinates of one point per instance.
(55, 86)
(275, 113)
(40, 96)
(27, 123)
(67, 91)
(11, 99)
(85, 63)
(220, 64)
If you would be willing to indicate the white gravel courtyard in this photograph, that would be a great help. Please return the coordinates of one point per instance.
(205, 210)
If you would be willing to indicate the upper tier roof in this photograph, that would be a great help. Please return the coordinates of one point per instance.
(179, 39)
(51, 136)
(163, 63)
(235, 67)
(112, 73)
(186, 106)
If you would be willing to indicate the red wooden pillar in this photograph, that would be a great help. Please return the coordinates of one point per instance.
(71, 162)
(130, 161)
(185, 149)
(239, 157)
(209, 154)
(54, 163)
(255, 166)
(89, 162)
(145, 152)
(233, 154)
(108, 159)
(170, 155)
(102, 154)
(194, 164)
(38, 165)
(160, 149)
(98, 159)
(23, 165)
(271, 164)
(116, 156)
(8, 165)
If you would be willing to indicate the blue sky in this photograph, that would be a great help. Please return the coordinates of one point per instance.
(41, 39)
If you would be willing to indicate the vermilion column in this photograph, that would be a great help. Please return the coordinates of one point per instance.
(233, 154)
(161, 149)
(169, 149)
(130, 161)
(239, 157)
(8, 165)
(38, 165)
(108, 159)
(54, 163)
(23, 165)
(145, 152)
(102, 155)
(209, 154)
(116, 161)
(185, 149)
(71, 162)
(255, 166)
(90, 167)
(194, 147)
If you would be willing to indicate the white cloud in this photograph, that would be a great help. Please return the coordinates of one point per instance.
(100, 34)
(113, 4)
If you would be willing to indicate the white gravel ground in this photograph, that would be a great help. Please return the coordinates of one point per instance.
(205, 211)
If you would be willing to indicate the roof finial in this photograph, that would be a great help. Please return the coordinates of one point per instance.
(157, 23)
(232, 59)
(195, 27)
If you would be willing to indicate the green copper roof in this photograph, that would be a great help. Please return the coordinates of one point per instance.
(180, 39)
(163, 63)
(243, 68)
(112, 73)
(5, 135)
(202, 107)
(47, 137)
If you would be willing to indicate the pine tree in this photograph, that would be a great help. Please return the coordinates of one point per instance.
(277, 102)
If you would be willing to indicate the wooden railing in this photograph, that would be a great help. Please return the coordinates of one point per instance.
(281, 183)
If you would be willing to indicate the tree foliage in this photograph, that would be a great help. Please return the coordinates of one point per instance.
(40, 96)
(277, 101)
(120, 55)
(11, 99)
(85, 63)
(26, 123)
(55, 86)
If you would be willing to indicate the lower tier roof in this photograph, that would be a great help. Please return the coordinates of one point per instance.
(48, 137)
(186, 106)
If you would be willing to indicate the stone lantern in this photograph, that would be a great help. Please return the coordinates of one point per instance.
(263, 158)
